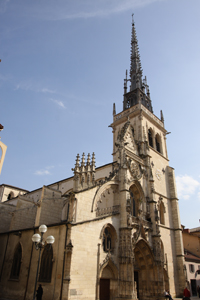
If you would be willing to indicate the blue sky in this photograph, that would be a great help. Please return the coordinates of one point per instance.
(63, 65)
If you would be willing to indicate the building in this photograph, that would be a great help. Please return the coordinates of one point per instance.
(117, 228)
(3, 149)
(8, 192)
(191, 242)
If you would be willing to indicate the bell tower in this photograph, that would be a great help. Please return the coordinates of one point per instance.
(149, 211)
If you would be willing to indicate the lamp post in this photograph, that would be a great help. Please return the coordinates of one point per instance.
(39, 243)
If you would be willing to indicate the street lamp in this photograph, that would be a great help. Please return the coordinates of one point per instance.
(39, 243)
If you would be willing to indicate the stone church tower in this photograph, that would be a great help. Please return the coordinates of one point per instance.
(117, 228)
(150, 231)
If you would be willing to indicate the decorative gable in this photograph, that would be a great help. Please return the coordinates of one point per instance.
(126, 135)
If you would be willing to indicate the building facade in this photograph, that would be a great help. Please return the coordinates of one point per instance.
(117, 227)
(191, 243)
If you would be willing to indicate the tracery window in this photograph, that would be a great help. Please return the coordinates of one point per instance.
(17, 258)
(150, 137)
(46, 265)
(107, 240)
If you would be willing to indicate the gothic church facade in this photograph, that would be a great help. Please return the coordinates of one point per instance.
(116, 227)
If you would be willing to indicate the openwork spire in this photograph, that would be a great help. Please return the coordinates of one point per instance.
(134, 97)
(136, 68)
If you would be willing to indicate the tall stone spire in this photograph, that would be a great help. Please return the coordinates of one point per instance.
(139, 90)
(136, 68)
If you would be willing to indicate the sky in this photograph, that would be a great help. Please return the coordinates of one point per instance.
(62, 67)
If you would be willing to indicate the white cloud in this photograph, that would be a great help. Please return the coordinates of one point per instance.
(30, 86)
(79, 9)
(187, 187)
(58, 102)
(45, 90)
(42, 172)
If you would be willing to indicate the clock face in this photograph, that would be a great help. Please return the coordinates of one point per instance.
(158, 174)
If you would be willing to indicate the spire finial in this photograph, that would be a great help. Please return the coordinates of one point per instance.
(83, 160)
(136, 69)
(114, 109)
(132, 18)
(161, 116)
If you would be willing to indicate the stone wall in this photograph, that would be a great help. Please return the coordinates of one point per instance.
(24, 215)
(6, 212)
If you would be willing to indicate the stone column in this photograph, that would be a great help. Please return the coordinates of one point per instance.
(126, 269)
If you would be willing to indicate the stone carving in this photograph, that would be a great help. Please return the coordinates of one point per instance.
(158, 174)
(84, 172)
(157, 250)
(136, 235)
(107, 259)
(135, 169)
(107, 210)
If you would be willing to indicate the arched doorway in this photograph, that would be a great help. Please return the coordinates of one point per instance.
(145, 272)
(108, 282)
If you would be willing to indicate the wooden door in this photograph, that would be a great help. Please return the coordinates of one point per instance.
(104, 289)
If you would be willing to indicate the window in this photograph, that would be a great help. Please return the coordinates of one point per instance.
(10, 195)
(16, 262)
(132, 204)
(191, 268)
(107, 240)
(135, 203)
(108, 237)
(158, 143)
(46, 265)
(150, 138)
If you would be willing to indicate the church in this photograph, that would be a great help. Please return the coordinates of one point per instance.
(116, 227)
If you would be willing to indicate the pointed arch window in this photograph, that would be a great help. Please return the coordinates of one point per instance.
(107, 240)
(16, 265)
(150, 137)
(158, 143)
(133, 211)
(46, 265)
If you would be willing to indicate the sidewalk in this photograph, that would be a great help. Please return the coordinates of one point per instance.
(191, 298)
